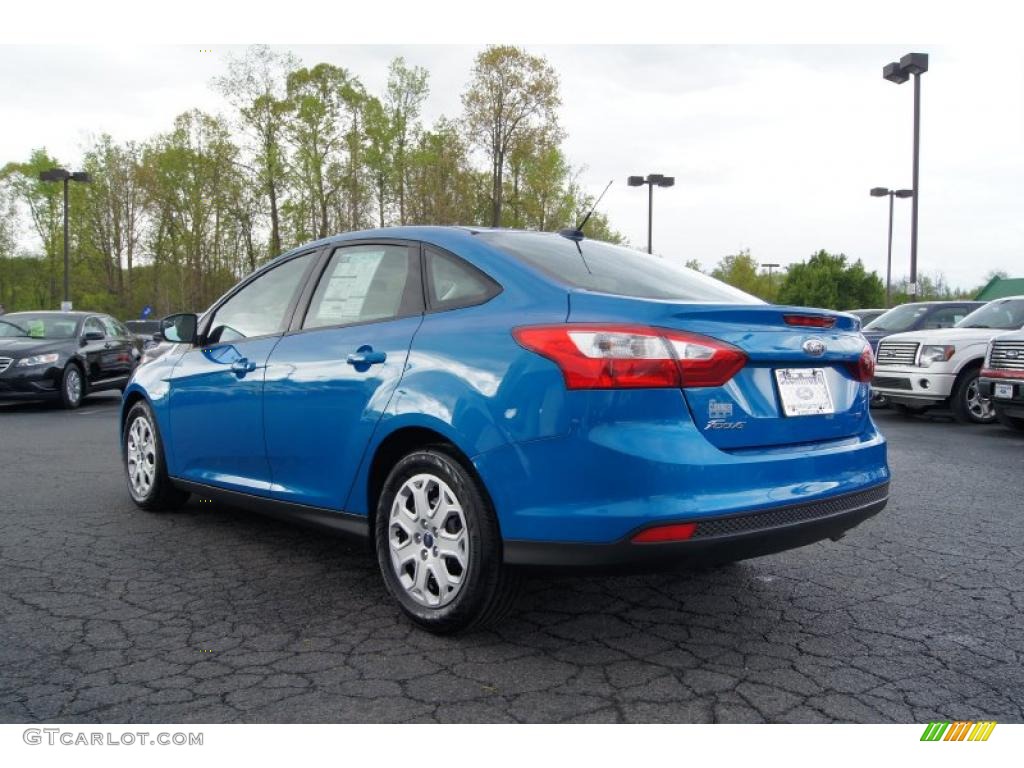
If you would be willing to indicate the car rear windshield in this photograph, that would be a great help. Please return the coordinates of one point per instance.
(604, 268)
(1005, 314)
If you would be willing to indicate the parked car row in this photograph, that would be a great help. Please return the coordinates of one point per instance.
(970, 365)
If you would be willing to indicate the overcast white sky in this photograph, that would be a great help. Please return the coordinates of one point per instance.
(773, 148)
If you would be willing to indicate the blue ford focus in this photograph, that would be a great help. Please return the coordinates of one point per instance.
(473, 401)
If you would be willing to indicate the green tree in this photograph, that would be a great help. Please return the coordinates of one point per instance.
(407, 89)
(829, 281)
(317, 131)
(741, 271)
(511, 94)
(44, 201)
(255, 85)
(443, 188)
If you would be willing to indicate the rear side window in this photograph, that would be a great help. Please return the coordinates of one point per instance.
(365, 284)
(604, 268)
(452, 283)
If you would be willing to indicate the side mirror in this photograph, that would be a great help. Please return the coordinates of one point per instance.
(180, 328)
(94, 336)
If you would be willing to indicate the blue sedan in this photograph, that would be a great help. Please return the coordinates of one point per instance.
(474, 401)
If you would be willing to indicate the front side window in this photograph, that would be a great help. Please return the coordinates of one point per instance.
(452, 283)
(260, 307)
(591, 265)
(93, 325)
(367, 283)
(110, 327)
(946, 317)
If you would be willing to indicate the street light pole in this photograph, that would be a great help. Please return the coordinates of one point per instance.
(770, 267)
(650, 215)
(59, 174)
(892, 194)
(898, 72)
(67, 271)
(651, 181)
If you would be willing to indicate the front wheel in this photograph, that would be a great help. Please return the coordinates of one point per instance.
(438, 544)
(72, 387)
(968, 406)
(145, 468)
(1010, 421)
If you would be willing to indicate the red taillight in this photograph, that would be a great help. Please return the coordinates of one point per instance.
(864, 369)
(810, 321)
(661, 533)
(631, 356)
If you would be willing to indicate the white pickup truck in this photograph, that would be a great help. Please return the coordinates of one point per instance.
(919, 370)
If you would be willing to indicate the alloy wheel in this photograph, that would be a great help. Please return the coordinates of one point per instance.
(428, 541)
(73, 385)
(141, 450)
(979, 407)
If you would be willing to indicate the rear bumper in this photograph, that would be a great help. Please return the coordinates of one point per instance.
(732, 537)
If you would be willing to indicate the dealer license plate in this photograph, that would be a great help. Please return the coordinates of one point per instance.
(1003, 391)
(804, 391)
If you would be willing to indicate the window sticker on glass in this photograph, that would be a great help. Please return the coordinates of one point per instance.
(347, 287)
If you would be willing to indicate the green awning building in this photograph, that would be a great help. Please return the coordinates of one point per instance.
(998, 287)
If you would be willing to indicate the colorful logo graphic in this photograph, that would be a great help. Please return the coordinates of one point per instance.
(960, 730)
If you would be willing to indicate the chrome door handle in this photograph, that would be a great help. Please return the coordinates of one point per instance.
(365, 356)
(243, 366)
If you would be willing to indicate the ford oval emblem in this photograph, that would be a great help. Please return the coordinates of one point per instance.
(814, 347)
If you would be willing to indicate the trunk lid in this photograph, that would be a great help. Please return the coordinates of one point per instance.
(747, 412)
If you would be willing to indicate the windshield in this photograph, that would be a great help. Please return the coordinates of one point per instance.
(604, 268)
(901, 318)
(1004, 314)
(38, 326)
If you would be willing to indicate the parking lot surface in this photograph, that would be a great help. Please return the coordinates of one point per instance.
(210, 614)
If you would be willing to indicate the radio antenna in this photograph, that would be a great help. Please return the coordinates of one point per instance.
(582, 224)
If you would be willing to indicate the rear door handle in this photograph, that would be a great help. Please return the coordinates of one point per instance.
(365, 356)
(243, 366)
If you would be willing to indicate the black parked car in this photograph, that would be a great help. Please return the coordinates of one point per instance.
(1002, 378)
(64, 355)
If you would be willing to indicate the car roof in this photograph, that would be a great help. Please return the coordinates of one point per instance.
(74, 313)
(429, 233)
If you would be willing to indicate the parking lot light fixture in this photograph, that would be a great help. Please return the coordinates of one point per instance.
(890, 193)
(652, 180)
(899, 72)
(63, 175)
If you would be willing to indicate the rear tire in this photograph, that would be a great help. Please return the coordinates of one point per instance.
(966, 402)
(142, 451)
(1012, 422)
(72, 387)
(439, 546)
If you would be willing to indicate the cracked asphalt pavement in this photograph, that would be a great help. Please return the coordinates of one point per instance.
(211, 614)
